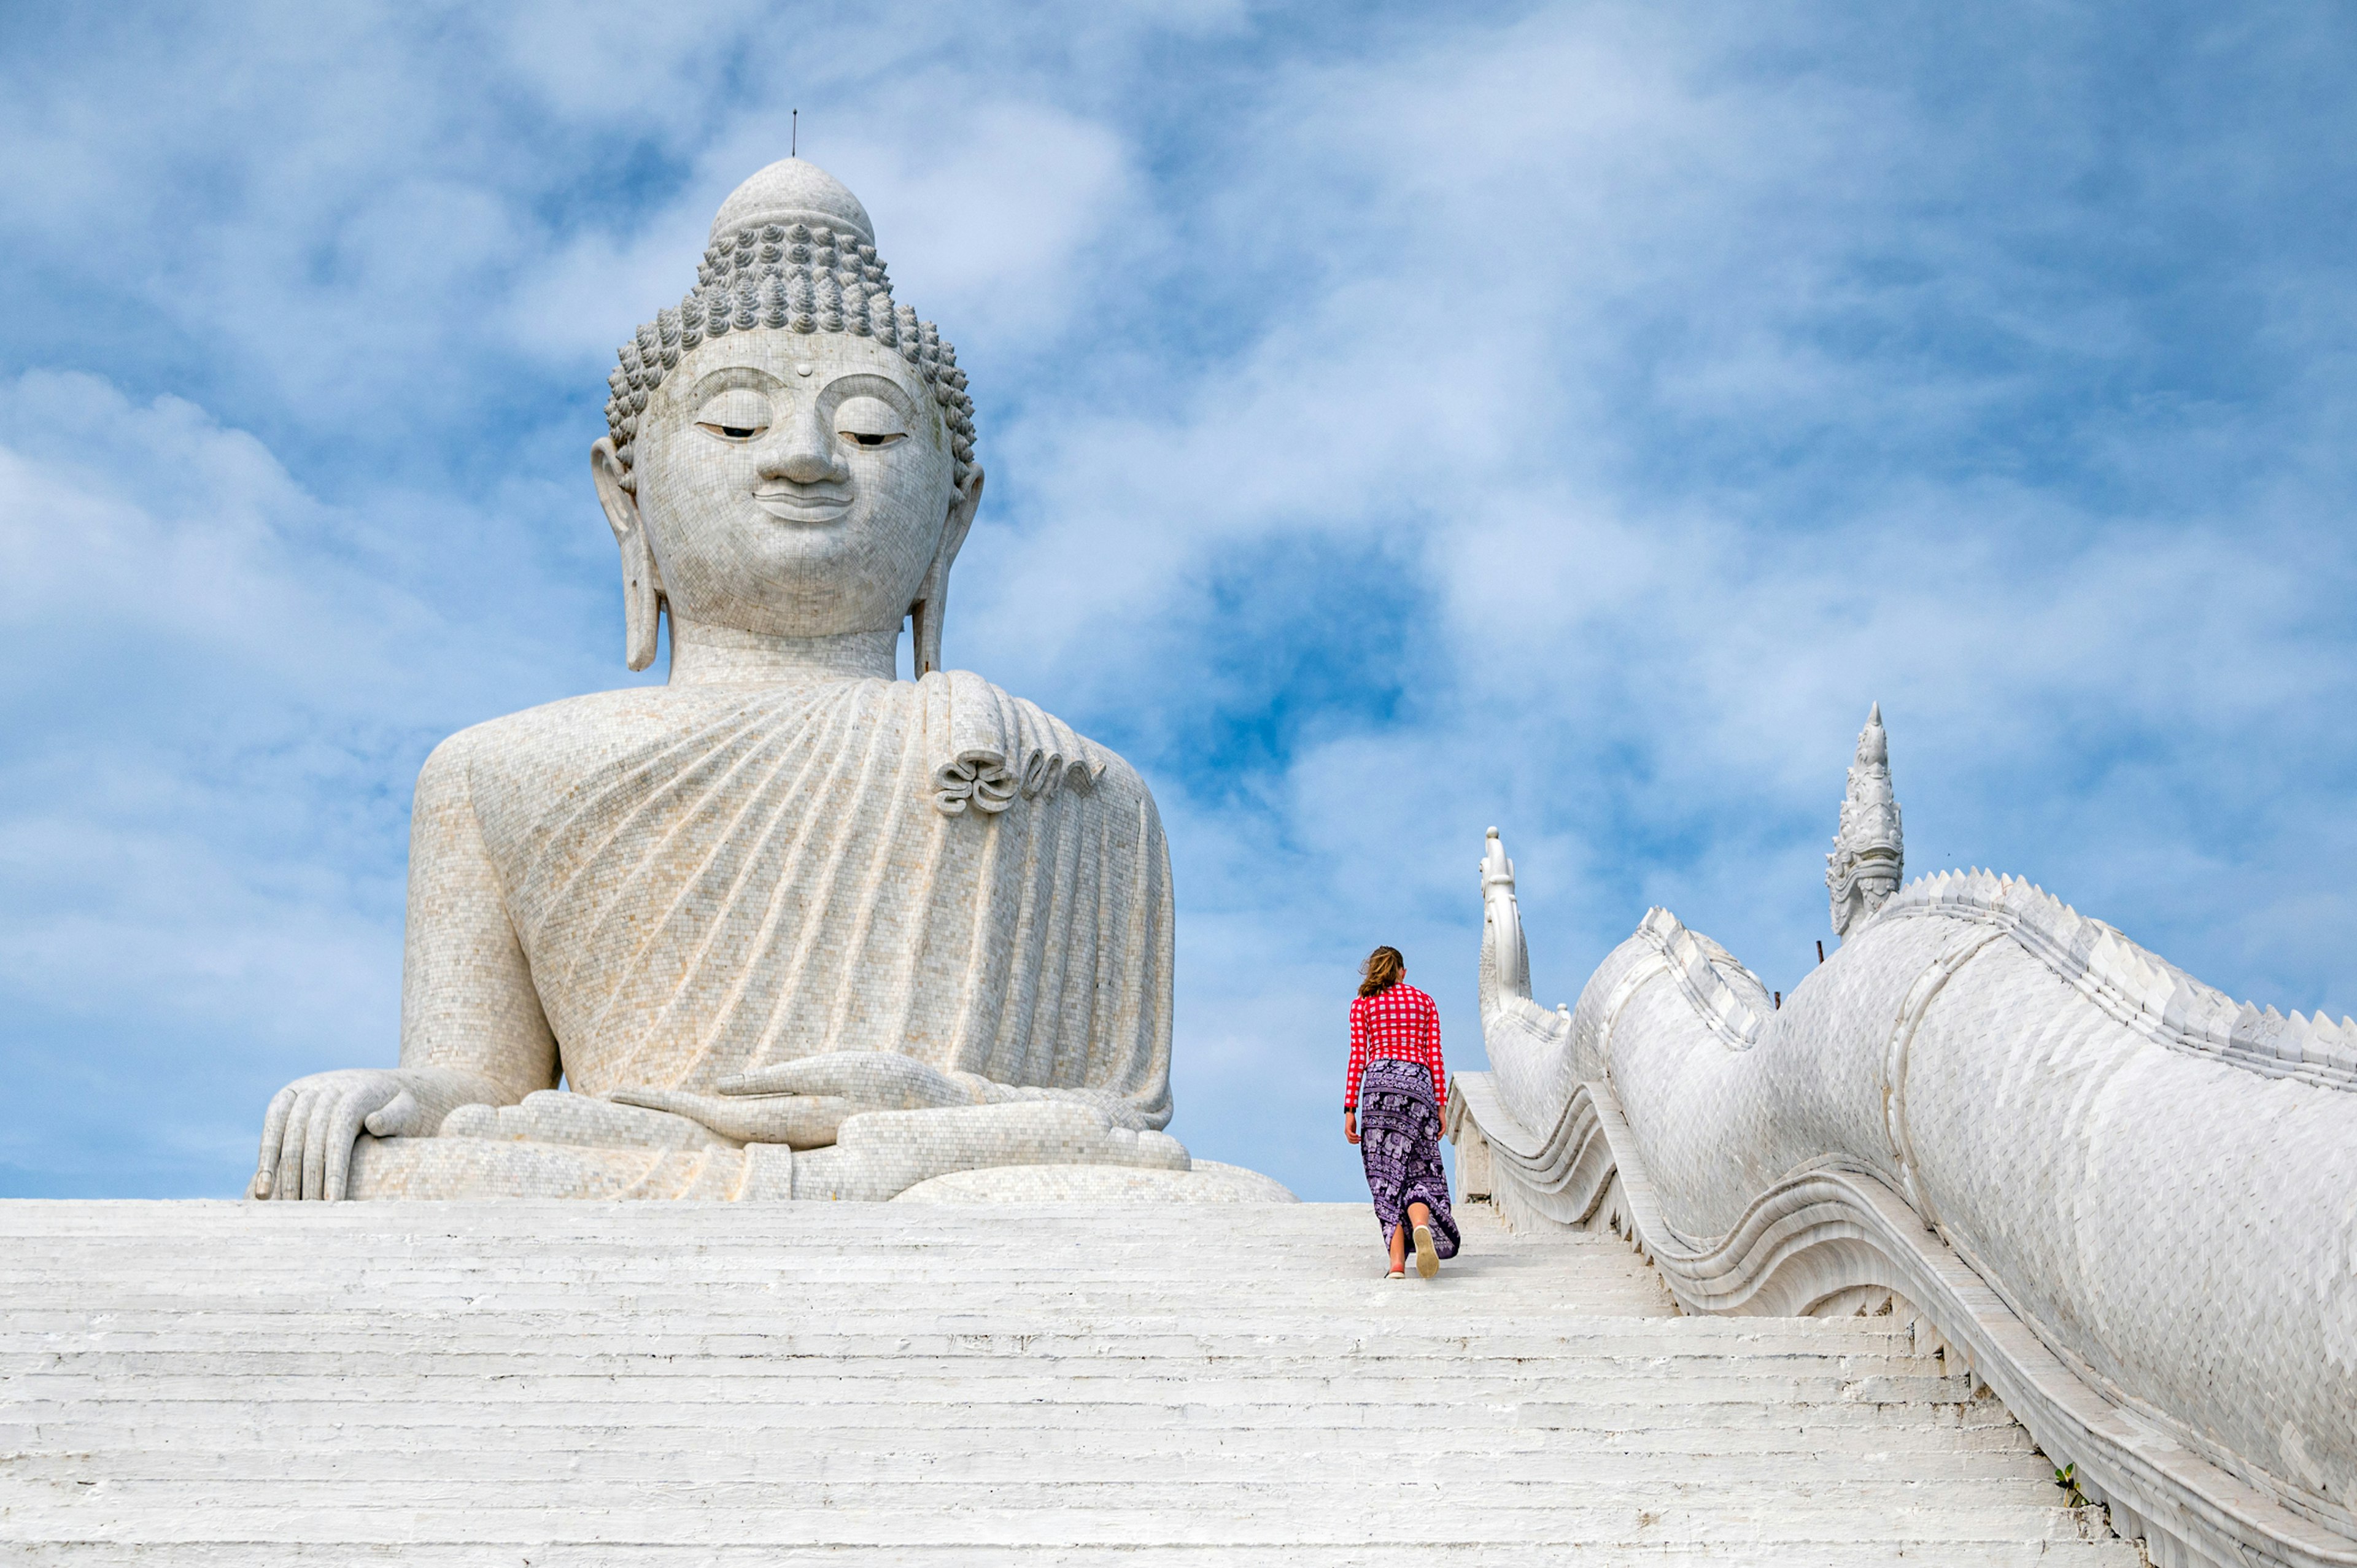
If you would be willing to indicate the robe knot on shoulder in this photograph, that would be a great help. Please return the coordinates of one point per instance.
(1002, 747)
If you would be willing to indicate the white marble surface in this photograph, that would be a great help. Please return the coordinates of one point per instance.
(785, 925)
(1204, 1181)
(581, 1385)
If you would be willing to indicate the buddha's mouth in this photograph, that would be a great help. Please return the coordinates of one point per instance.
(801, 505)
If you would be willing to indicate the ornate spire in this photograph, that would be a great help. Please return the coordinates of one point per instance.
(1864, 867)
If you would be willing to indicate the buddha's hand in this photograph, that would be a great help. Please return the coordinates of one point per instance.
(869, 1080)
(798, 1121)
(306, 1137)
(802, 1104)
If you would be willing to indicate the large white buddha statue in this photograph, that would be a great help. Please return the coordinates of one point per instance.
(788, 901)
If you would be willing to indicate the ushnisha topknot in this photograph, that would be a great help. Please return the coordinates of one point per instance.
(791, 250)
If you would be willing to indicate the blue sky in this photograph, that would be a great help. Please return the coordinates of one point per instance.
(1568, 418)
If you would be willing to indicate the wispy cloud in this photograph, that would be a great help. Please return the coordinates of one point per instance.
(1569, 420)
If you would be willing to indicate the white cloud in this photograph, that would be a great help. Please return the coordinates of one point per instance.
(224, 687)
(1568, 422)
(1695, 402)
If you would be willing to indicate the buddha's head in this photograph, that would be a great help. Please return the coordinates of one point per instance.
(790, 453)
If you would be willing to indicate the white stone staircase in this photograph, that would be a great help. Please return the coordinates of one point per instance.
(578, 1384)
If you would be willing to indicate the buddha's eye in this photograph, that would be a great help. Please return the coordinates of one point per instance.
(738, 414)
(869, 422)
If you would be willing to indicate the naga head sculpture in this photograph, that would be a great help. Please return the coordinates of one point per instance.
(790, 451)
(1864, 868)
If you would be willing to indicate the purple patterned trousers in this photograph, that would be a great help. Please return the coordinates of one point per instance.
(1399, 1144)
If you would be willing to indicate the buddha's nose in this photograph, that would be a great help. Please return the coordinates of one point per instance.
(804, 453)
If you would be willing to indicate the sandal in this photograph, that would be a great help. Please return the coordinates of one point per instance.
(1396, 1275)
(1428, 1261)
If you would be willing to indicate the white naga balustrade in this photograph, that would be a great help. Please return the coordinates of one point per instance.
(2121, 1200)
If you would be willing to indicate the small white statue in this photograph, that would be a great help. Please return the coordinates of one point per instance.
(786, 901)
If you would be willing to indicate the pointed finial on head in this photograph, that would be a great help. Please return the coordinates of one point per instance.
(1873, 742)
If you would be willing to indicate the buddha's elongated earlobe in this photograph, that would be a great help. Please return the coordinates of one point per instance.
(925, 614)
(642, 589)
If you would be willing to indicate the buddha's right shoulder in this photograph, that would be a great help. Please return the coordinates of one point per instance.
(531, 739)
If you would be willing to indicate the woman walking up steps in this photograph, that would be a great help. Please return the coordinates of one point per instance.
(1391, 1109)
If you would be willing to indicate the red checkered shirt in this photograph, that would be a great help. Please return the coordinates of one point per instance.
(1400, 1023)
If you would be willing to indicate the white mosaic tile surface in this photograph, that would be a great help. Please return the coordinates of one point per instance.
(785, 902)
(2152, 1177)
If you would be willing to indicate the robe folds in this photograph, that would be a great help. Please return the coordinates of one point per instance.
(707, 879)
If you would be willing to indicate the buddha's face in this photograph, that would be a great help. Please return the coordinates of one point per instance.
(794, 484)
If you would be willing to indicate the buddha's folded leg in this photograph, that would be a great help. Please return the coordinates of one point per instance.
(882, 1153)
(556, 1145)
(505, 1168)
(485, 1152)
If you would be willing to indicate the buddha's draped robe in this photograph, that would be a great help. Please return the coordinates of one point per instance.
(709, 879)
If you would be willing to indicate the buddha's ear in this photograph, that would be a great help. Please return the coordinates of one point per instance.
(643, 590)
(925, 615)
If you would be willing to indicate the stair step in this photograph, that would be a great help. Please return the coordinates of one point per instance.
(1103, 1459)
(1275, 1519)
(716, 1385)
